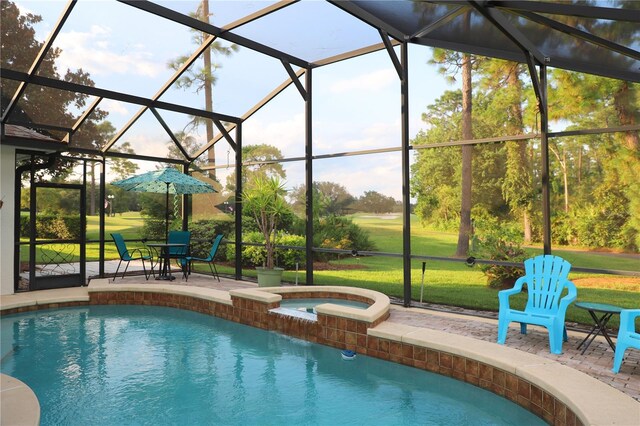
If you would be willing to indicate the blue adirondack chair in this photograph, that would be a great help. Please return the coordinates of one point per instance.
(546, 279)
(209, 259)
(628, 337)
(127, 255)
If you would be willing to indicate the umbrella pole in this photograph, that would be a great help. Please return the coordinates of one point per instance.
(166, 217)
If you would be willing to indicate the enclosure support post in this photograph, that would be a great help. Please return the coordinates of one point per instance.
(238, 203)
(32, 223)
(185, 202)
(544, 147)
(406, 194)
(83, 225)
(17, 224)
(309, 179)
(103, 196)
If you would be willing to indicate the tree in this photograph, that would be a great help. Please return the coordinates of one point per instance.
(589, 101)
(121, 167)
(190, 144)
(19, 48)
(375, 202)
(44, 105)
(584, 98)
(463, 62)
(330, 198)
(502, 79)
(203, 78)
(263, 161)
(264, 200)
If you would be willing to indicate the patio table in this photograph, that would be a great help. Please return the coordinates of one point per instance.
(600, 326)
(165, 270)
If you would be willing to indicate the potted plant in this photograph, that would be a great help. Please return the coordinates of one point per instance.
(264, 200)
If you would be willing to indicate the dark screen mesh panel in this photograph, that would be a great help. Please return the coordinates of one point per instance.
(406, 16)
(478, 35)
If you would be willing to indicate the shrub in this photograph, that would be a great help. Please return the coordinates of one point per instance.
(52, 226)
(287, 258)
(339, 233)
(25, 226)
(563, 229)
(204, 231)
(501, 242)
(153, 229)
(256, 255)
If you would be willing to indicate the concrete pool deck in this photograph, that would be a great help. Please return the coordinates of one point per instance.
(413, 324)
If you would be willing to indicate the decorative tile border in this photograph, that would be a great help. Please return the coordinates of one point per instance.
(40, 306)
(486, 376)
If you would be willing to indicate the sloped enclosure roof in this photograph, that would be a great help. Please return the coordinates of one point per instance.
(596, 37)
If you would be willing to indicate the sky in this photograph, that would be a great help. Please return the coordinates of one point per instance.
(356, 103)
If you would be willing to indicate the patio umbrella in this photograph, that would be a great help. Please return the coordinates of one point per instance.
(168, 181)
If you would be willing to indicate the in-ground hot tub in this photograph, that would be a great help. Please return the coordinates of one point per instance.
(308, 305)
(323, 304)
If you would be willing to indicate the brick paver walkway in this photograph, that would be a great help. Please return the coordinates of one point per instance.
(596, 362)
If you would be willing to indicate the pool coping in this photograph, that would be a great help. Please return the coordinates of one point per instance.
(18, 404)
(592, 402)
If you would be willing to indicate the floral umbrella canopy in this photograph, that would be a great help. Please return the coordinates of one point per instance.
(168, 181)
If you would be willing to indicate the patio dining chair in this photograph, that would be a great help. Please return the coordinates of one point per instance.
(127, 255)
(628, 336)
(209, 259)
(546, 280)
(179, 254)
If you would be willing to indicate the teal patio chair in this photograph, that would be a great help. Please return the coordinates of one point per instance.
(628, 337)
(179, 253)
(546, 280)
(209, 259)
(127, 255)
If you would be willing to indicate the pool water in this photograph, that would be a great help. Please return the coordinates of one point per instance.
(137, 365)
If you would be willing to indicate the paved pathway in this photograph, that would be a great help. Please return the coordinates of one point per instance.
(596, 362)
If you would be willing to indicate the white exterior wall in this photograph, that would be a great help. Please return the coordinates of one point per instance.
(7, 216)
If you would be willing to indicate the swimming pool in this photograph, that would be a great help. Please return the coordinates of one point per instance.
(153, 365)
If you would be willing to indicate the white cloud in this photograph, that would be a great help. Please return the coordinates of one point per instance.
(287, 135)
(23, 9)
(147, 144)
(341, 136)
(365, 174)
(373, 80)
(357, 173)
(92, 51)
(115, 106)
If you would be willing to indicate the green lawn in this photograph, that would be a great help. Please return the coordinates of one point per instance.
(128, 224)
(453, 283)
(448, 283)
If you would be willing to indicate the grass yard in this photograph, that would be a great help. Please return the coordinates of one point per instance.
(446, 282)
(128, 224)
(453, 283)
